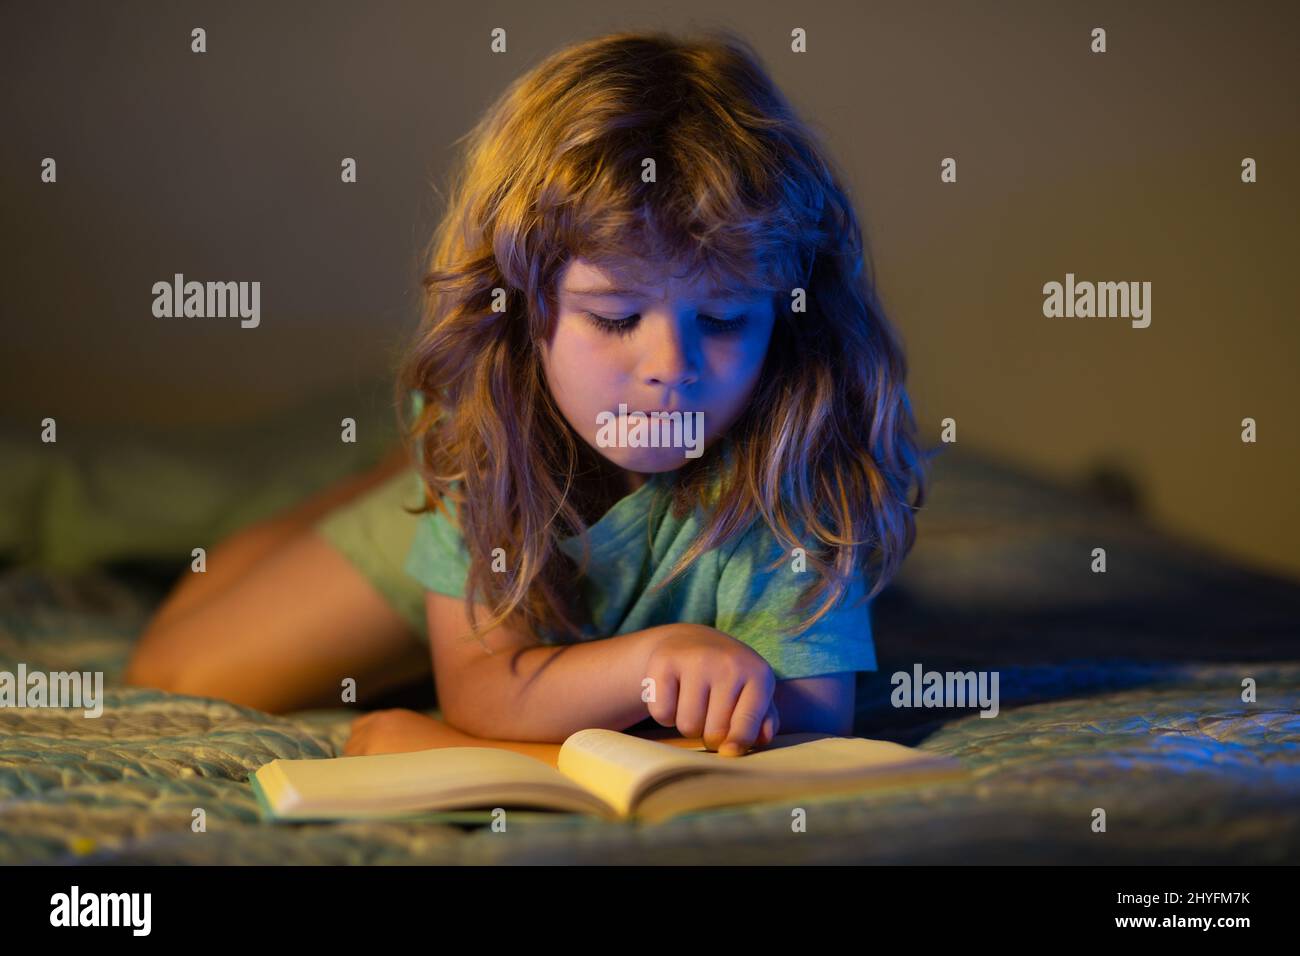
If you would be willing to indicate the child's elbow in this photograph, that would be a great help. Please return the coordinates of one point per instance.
(462, 707)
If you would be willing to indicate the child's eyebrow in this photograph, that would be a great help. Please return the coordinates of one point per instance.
(605, 291)
(711, 295)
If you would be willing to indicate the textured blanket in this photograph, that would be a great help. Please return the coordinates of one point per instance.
(1184, 770)
(1120, 699)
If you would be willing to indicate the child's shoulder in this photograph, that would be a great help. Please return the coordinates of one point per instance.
(758, 541)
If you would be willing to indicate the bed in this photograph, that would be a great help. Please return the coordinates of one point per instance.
(1121, 691)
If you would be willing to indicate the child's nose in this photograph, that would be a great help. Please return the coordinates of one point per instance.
(670, 360)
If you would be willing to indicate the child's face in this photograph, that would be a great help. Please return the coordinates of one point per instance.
(683, 350)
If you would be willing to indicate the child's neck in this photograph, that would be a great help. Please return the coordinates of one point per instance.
(611, 485)
(634, 480)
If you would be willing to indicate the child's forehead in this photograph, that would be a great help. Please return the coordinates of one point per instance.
(628, 276)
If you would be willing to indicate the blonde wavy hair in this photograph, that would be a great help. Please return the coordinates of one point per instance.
(746, 195)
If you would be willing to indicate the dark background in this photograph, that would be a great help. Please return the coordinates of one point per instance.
(1116, 167)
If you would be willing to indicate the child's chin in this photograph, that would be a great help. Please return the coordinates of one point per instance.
(651, 460)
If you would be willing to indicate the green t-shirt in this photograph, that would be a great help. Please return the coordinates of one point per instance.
(727, 588)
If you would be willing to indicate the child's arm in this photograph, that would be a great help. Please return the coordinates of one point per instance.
(401, 731)
(823, 704)
(706, 682)
(529, 691)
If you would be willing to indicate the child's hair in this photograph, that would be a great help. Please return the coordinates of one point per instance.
(745, 195)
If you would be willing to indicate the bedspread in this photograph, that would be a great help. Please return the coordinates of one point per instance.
(1185, 771)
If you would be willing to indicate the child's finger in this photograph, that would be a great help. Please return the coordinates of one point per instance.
(745, 723)
(771, 723)
(664, 706)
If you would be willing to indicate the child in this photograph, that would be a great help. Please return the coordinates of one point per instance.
(641, 223)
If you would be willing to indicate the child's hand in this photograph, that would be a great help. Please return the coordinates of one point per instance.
(710, 685)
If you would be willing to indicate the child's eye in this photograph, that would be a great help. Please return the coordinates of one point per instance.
(619, 327)
(724, 325)
(623, 327)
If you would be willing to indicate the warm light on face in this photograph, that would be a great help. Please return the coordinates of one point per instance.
(673, 345)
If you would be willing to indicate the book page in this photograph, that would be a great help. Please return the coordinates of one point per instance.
(618, 767)
(706, 790)
(440, 778)
(612, 765)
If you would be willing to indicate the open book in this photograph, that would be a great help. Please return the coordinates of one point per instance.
(605, 773)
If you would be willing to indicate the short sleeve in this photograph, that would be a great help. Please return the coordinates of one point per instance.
(758, 608)
(438, 558)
